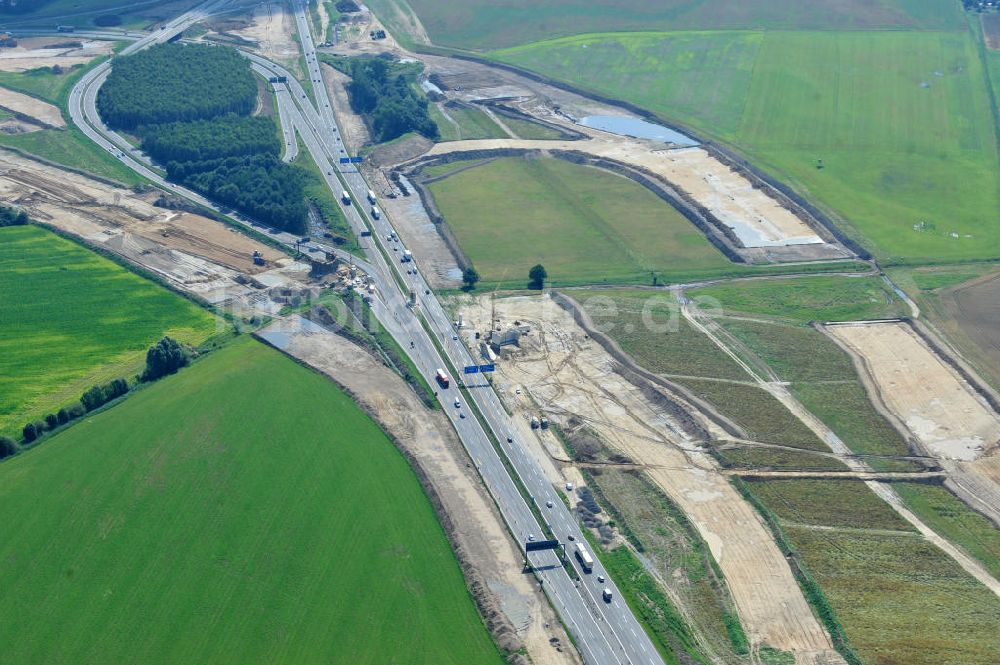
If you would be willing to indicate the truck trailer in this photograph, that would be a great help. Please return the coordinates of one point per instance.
(371, 197)
(376, 213)
(584, 556)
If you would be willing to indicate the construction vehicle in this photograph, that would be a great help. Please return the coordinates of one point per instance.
(258, 258)
(534, 422)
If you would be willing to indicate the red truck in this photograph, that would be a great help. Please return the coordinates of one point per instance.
(442, 378)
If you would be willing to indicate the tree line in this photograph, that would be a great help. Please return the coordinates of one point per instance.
(163, 358)
(176, 82)
(383, 92)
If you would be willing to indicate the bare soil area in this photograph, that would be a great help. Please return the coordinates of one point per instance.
(937, 406)
(353, 131)
(46, 114)
(975, 309)
(272, 29)
(491, 560)
(991, 30)
(198, 254)
(566, 373)
(32, 53)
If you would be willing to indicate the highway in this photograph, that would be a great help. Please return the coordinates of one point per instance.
(604, 632)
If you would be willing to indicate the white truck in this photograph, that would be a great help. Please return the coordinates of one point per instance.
(584, 556)
(376, 213)
(371, 197)
(407, 256)
(606, 595)
(345, 198)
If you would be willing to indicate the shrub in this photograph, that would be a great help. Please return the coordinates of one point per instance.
(63, 416)
(8, 447)
(51, 422)
(76, 411)
(163, 358)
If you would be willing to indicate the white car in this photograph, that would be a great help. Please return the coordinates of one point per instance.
(548, 504)
(531, 537)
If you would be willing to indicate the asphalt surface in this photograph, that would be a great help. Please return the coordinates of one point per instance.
(605, 632)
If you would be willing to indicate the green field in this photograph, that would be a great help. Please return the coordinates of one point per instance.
(804, 299)
(71, 319)
(899, 598)
(465, 123)
(900, 119)
(244, 510)
(581, 223)
(483, 24)
(71, 148)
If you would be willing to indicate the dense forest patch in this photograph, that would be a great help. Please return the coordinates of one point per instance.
(173, 82)
(190, 105)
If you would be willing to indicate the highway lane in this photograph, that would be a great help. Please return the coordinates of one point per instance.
(625, 638)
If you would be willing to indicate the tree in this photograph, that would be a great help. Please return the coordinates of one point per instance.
(163, 358)
(93, 398)
(470, 277)
(8, 447)
(63, 416)
(537, 277)
(51, 421)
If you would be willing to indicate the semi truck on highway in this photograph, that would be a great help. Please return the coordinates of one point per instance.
(584, 556)
(442, 378)
(407, 256)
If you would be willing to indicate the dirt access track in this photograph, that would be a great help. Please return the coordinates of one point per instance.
(44, 113)
(512, 606)
(567, 373)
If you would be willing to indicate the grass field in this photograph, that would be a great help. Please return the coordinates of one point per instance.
(899, 599)
(479, 24)
(524, 129)
(71, 318)
(465, 123)
(70, 147)
(908, 142)
(954, 520)
(581, 223)
(175, 528)
(760, 458)
(623, 314)
(804, 299)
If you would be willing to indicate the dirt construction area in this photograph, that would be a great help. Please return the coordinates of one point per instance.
(938, 407)
(35, 52)
(271, 29)
(560, 371)
(45, 114)
(197, 254)
(514, 610)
